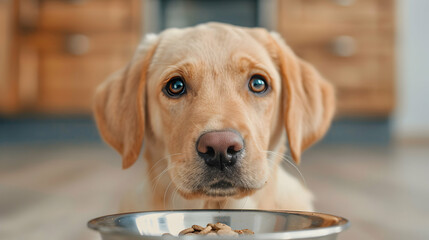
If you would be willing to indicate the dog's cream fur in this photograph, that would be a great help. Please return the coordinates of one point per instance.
(216, 60)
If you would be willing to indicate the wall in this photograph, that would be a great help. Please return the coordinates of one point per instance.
(411, 119)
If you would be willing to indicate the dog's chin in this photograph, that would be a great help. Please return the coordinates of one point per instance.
(214, 192)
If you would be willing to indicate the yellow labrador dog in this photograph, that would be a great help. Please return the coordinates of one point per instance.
(212, 108)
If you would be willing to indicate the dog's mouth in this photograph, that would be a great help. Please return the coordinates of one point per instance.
(220, 188)
(222, 184)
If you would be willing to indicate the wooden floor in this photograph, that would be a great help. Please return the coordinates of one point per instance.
(51, 191)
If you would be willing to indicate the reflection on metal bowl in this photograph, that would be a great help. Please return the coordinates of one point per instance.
(266, 224)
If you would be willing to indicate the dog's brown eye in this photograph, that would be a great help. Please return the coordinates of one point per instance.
(258, 84)
(175, 87)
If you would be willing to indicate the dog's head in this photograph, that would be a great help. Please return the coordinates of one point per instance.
(216, 98)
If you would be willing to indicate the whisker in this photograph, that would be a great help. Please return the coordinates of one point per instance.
(245, 202)
(247, 197)
(165, 193)
(173, 196)
(158, 178)
(226, 203)
(289, 161)
(160, 160)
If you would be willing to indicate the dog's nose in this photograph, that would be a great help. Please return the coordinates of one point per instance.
(220, 148)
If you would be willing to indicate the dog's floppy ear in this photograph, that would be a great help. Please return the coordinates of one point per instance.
(119, 104)
(308, 100)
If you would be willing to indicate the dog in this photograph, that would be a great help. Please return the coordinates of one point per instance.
(214, 108)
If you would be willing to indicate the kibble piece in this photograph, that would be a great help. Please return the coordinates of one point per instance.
(219, 226)
(247, 231)
(197, 227)
(186, 231)
(218, 229)
(206, 230)
(226, 232)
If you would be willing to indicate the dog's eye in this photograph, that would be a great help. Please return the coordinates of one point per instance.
(258, 84)
(175, 87)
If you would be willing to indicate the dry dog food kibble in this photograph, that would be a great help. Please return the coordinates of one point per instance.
(218, 229)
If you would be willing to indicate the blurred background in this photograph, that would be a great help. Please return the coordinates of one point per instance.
(56, 173)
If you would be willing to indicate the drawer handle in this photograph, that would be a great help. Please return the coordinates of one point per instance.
(343, 46)
(344, 3)
(77, 44)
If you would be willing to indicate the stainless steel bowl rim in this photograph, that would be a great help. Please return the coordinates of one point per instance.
(343, 224)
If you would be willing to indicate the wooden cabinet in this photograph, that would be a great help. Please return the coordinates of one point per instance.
(64, 49)
(351, 42)
(54, 52)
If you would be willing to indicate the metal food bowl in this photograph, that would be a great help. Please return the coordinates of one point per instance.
(266, 224)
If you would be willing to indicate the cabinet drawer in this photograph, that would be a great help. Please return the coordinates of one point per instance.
(361, 67)
(366, 102)
(344, 56)
(81, 43)
(67, 83)
(87, 15)
(328, 11)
